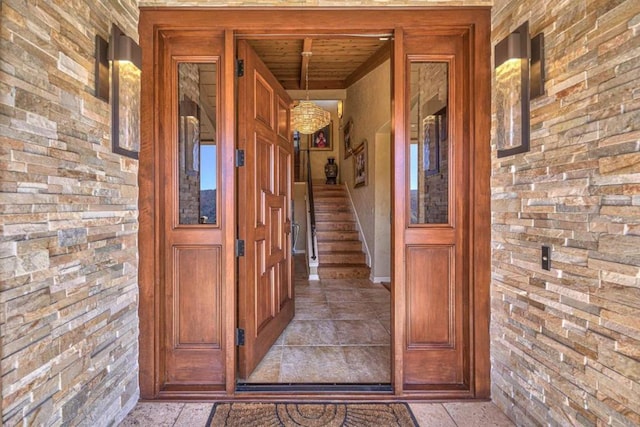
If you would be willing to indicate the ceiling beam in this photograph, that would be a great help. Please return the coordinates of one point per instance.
(369, 65)
(294, 84)
(304, 65)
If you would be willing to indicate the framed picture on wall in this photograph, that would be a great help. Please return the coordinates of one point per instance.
(321, 139)
(360, 165)
(347, 132)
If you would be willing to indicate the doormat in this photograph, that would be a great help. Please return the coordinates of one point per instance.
(311, 414)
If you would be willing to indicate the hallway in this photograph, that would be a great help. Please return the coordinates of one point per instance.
(340, 334)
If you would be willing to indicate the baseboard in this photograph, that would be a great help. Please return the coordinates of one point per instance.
(380, 279)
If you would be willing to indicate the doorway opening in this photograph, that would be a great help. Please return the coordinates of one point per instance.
(339, 337)
(192, 306)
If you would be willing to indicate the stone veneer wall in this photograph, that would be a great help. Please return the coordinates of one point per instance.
(68, 230)
(566, 342)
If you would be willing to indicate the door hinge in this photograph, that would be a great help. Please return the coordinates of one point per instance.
(239, 67)
(239, 247)
(239, 336)
(239, 158)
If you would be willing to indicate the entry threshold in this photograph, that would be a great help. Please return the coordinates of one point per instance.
(314, 387)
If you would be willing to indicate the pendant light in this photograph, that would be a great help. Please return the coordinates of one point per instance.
(307, 117)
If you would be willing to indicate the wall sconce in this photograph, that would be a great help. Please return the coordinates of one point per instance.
(125, 57)
(519, 64)
(189, 112)
(340, 108)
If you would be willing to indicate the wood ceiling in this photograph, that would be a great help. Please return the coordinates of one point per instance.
(336, 61)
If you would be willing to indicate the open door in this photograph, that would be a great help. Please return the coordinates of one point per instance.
(265, 288)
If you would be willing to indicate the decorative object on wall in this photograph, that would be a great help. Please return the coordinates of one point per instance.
(347, 134)
(321, 140)
(307, 117)
(331, 171)
(126, 61)
(360, 165)
(519, 64)
(190, 132)
(340, 108)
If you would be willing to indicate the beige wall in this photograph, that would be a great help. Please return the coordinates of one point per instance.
(68, 230)
(566, 342)
(368, 103)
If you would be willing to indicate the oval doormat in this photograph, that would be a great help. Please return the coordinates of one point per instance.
(242, 414)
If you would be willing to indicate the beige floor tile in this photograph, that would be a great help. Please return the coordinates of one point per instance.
(312, 311)
(345, 295)
(314, 364)
(363, 332)
(153, 414)
(477, 414)
(194, 414)
(369, 364)
(268, 370)
(352, 310)
(431, 415)
(311, 333)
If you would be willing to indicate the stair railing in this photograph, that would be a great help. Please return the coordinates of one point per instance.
(312, 209)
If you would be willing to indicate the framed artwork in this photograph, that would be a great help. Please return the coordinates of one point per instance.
(431, 144)
(321, 139)
(348, 132)
(360, 165)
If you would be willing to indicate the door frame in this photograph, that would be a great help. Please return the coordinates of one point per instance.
(472, 23)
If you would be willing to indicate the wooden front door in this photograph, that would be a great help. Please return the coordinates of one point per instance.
(265, 290)
(193, 290)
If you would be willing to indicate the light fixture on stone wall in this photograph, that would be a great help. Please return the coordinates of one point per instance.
(119, 62)
(307, 117)
(519, 64)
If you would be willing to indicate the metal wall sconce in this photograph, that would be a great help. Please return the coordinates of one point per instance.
(519, 64)
(340, 108)
(124, 56)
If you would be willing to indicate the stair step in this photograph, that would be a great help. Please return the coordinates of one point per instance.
(332, 208)
(337, 245)
(334, 216)
(336, 257)
(319, 200)
(341, 271)
(337, 235)
(342, 225)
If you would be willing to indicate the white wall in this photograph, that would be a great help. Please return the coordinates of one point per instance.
(368, 103)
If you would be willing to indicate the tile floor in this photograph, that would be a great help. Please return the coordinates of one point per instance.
(463, 414)
(340, 334)
(344, 324)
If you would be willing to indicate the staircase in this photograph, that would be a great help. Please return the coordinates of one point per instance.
(339, 248)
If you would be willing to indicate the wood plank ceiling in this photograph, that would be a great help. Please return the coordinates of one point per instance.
(336, 62)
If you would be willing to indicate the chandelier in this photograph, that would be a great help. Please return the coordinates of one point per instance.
(307, 117)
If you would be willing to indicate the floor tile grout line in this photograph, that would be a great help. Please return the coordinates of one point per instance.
(449, 414)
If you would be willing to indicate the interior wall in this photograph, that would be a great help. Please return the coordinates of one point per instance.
(368, 104)
(68, 245)
(566, 342)
(381, 270)
(319, 157)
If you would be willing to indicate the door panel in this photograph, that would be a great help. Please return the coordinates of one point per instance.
(436, 341)
(265, 291)
(191, 306)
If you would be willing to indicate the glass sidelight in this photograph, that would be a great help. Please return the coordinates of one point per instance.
(197, 147)
(429, 143)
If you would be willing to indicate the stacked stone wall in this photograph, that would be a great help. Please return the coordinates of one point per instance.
(566, 342)
(68, 223)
